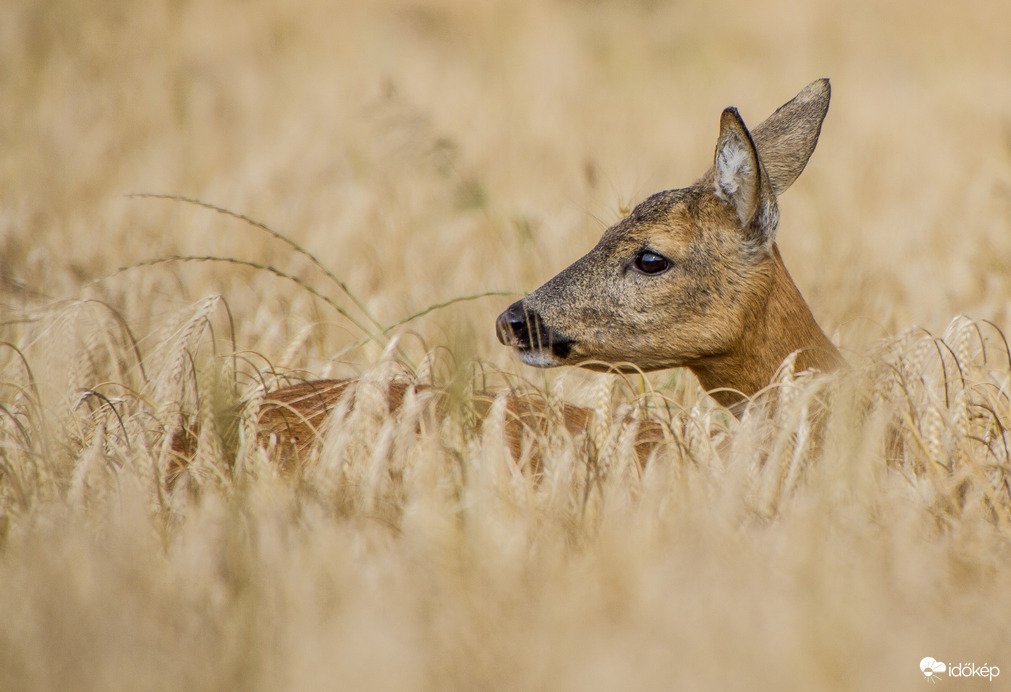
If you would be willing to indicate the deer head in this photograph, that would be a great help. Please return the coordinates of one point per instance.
(692, 277)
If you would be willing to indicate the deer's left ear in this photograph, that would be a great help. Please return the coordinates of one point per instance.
(740, 180)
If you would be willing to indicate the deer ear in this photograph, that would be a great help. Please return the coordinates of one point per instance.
(786, 140)
(740, 180)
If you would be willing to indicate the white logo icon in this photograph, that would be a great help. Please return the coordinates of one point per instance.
(931, 668)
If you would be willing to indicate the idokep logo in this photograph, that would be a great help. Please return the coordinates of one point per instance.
(932, 669)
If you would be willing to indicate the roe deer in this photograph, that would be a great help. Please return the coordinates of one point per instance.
(691, 278)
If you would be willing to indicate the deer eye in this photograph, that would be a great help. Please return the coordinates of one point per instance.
(651, 263)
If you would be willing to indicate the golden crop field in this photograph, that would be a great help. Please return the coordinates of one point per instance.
(199, 200)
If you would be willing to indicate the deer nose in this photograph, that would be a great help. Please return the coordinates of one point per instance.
(513, 325)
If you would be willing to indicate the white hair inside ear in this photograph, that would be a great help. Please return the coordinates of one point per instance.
(735, 176)
(740, 180)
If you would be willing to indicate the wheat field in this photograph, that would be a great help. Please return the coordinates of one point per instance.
(203, 200)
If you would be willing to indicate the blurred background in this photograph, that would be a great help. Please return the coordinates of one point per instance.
(431, 150)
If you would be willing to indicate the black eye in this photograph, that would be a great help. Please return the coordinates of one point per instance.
(651, 263)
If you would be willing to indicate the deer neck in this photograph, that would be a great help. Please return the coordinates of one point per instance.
(784, 324)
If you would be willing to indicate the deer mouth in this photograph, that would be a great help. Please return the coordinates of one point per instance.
(535, 343)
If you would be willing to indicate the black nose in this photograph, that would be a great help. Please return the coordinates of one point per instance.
(515, 325)
(524, 329)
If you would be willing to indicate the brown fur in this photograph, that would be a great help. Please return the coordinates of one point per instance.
(726, 307)
(292, 419)
(784, 325)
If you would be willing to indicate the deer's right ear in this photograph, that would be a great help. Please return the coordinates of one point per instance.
(786, 140)
(740, 179)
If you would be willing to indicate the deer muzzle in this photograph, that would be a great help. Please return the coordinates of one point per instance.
(536, 343)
